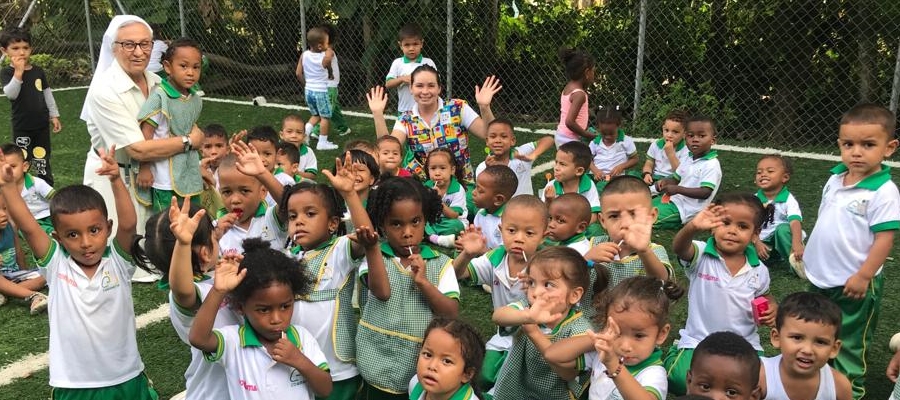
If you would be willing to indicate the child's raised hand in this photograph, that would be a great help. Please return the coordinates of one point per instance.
(238, 137)
(471, 242)
(183, 225)
(343, 178)
(709, 218)
(417, 267)
(228, 276)
(603, 343)
(377, 99)
(286, 352)
(539, 312)
(248, 161)
(638, 231)
(109, 166)
(366, 236)
(602, 252)
(484, 94)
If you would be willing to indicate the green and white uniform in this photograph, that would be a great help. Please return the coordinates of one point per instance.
(777, 234)
(417, 392)
(694, 173)
(650, 373)
(308, 161)
(662, 168)
(489, 223)
(586, 188)
(264, 224)
(522, 168)
(607, 157)
(455, 198)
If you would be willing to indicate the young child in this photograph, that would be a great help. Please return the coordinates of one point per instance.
(625, 357)
(500, 142)
(695, 183)
(35, 191)
(267, 356)
(172, 110)
(407, 284)
(579, 68)
(16, 282)
(725, 278)
(93, 344)
(724, 366)
(522, 225)
(410, 40)
(782, 234)
(573, 160)
(390, 157)
(314, 70)
(212, 149)
(292, 131)
(444, 176)
(33, 106)
(337, 116)
(287, 161)
(448, 364)
(363, 145)
(665, 155)
(246, 213)
(493, 189)
(627, 249)
(265, 140)
(570, 215)
(614, 152)
(806, 331)
(556, 278)
(854, 233)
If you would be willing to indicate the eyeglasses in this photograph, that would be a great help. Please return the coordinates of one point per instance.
(130, 46)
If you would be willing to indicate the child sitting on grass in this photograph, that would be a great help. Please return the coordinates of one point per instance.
(500, 143)
(16, 282)
(34, 190)
(782, 234)
(665, 155)
(613, 151)
(444, 176)
(493, 189)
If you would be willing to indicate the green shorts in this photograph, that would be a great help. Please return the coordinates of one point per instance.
(668, 216)
(137, 388)
(493, 360)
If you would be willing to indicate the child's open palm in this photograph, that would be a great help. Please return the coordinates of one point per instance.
(366, 236)
(109, 166)
(603, 343)
(227, 275)
(472, 242)
(709, 218)
(343, 178)
(540, 313)
(183, 225)
(248, 161)
(484, 94)
(639, 230)
(377, 99)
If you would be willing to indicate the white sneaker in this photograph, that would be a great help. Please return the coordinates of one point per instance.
(2, 299)
(346, 132)
(326, 145)
(448, 241)
(141, 276)
(38, 303)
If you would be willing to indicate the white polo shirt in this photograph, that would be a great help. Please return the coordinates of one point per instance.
(314, 74)
(92, 327)
(404, 66)
(455, 198)
(849, 217)
(718, 301)
(489, 223)
(264, 225)
(251, 372)
(586, 188)
(37, 193)
(649, 373)
(284, 179)
(579, 242)
(493, 269)
(786, 207)
(308, 161)
(661, 164)
(203, 380)
(607, 157)
(695, 173)
(520, 167)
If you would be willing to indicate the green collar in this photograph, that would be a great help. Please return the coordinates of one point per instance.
(278, 170)
(496, 255)
(303, 148)
(584, 184)
(297, 249)
(249, 338)
(654, 359)
(497, 213)
(464, 392)
(871, 182)
(453, 187)
(781, 197)
(620, 136)
(171, 91)
(749, 252)
(29, 181)
(662, 142)
(571, 315)
(572, 239)
(424, 251)
(418, 59)
(260, 211)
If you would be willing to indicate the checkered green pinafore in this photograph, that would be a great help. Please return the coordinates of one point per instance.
(526, 375)
(391, 332)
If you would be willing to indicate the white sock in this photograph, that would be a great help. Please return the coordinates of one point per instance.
(309, 128)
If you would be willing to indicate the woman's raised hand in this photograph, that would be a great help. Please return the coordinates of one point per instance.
(377, 99)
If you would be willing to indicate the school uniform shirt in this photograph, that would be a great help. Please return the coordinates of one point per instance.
(203, 380)
(787, 209)
(586, 188)
(251, 372)
(701, 172)
(661, 164)
(308, 162)
(455, 198)
(284, 179)
(607, 157)
(718, 301)
(492, 268)
(849, 217)
(314, 74)
(404, 66)
(579, 242)
(417, 392)
(775, 387)
(264, 224)
(37, 193)
(520, 167)
(490, 226)
(92, 325)
(650, 373)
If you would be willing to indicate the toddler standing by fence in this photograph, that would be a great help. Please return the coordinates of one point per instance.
(314, 70)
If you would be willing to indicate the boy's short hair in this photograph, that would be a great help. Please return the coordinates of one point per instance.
(409, 31)
(531, 202)
(74, 199)
(870, 113)
(702, 118)
(315, 36)
(809, 307)
(178, 43)
(263, 133)
(360, 144)
(731, 345)
(625, 184)
(228, 161)
(580, 152)
(502, 121)
(576, 203)
(14, 35)
(505, 180)
(677, 115)
(290, 150)
(10, 149)
(215, 130)
(292, 117)
(785, 162)
(388, 138)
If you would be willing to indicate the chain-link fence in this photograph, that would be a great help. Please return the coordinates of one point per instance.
(771, 72)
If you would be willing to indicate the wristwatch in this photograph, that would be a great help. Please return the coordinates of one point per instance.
(187, 143)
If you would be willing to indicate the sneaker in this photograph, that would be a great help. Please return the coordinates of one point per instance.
(345, 132)
(448, 241)
(38, 303)
(326, 145)
(2, 299)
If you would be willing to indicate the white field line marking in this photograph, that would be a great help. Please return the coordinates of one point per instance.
(32, 363)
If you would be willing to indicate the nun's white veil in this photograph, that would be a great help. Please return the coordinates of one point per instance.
(106, 50)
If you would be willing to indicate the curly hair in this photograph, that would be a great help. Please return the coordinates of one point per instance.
(396, 189)
(159, 243)
(266, 267)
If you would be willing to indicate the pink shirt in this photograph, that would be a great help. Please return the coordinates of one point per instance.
(565, 102)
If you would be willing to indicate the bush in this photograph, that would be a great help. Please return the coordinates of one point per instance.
(62, 71)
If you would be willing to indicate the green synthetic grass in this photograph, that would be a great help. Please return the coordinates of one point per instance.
(166, 357)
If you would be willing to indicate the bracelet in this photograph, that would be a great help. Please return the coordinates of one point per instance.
(618, 369)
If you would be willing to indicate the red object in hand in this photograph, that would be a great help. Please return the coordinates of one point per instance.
(665, 198)
(760, 305)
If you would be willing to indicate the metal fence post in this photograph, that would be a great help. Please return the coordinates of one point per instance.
(449, 49)
(895, 88)
(639, 68)
(90, 36)
(302, 26)
(181, 18)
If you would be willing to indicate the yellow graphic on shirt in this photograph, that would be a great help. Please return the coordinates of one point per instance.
(38, 85)
(39, 152)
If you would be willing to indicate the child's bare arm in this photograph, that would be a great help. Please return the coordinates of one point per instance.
(541, 146)
(20, 254)
(796, 238)
(439, 302)
(856, 285)
(250, 164)
(326, 62)
(126, 226)
(564, 352)
(376, 278)
(395, 82)
(21, 216)
(299, 71)
(377, 100)
(227, 278)
(577, 99)
(542, 343)
(147, 129)
(682, 244)
(694, 193)
(181, 272)
(631, 162)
